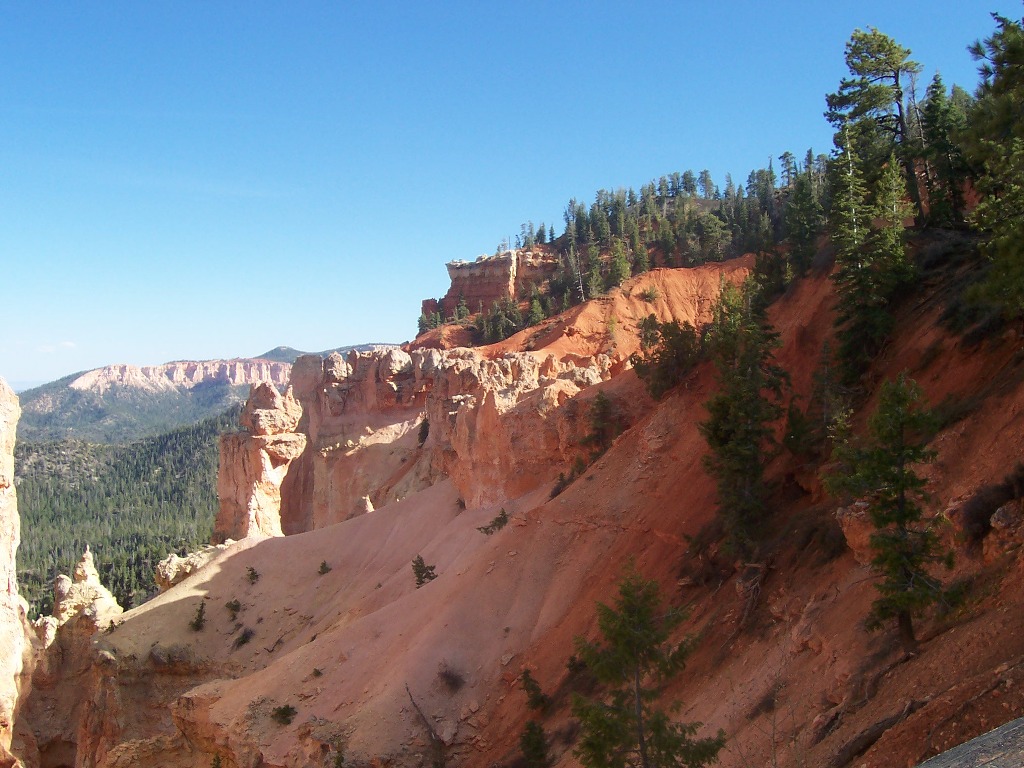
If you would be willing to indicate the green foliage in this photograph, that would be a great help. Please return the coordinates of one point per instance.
(536, 699)
(252, 574)
(881, 470)
(324, 568)
(634, 659)
(1000, 217)
(244, 638)
(943, 121)
(995, 144)
(870, 103)
(423, 572)
(284, 714)
(803, 219)
(669, 351)
(217, 763)
(619, 269)
(132, 504)
(650, 294)
(740, 412)
(605, 424)
(579, 466)
(503, 320)
(497, 523)
(870, 266)
(233, 607)
(534, 746)
(199, 620)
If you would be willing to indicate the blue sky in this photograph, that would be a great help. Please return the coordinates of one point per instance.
(194, 180)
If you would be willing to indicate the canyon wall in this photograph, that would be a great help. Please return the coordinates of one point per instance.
(14, 648)
(376, 427)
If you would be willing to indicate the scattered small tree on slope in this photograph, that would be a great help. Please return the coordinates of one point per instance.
(882, 472)
(669, 351)
(738, 428)
(633, 661)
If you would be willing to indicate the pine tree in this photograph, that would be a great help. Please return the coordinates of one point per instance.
(996, 145)
(862, 320)
(881, 471)
(738, 428)
(871, 102)
(634, 659)
(803, 217)
(534, 746)
(942, 121)
(618, 267)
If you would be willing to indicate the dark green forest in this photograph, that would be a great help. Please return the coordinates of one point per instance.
(132, 504)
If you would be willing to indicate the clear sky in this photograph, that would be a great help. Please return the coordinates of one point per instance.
(194, 180)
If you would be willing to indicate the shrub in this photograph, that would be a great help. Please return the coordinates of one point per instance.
(453, 679)
(564, 481)
(497, 523)
(669, 352)
(422, 571)
(234, 607)
(650, 294)
(284, 714)
(536, 699)
(324, 568)
(424, 431)
(244, 638)
(534, 746)
(199, 621)
(252, 574)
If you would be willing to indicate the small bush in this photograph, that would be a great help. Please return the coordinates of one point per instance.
(317, 672)
(424, 431)
(199, 620)
(284, 714)
(650, 295)
(450, 677)
(422, 571)
(536, 699)
(564, 481)
(500, 521)
(534, 746)
(324, 568)
(252, 574)
(244, 638)
(234, 607)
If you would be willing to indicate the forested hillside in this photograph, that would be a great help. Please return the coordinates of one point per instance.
(132, 504)
(899, 156)
(55, 411)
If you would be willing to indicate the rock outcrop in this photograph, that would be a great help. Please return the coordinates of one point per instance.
(13, 642)
(254, 464)
(480, 283)
(59, 710)
(358, 440)
(174, 569)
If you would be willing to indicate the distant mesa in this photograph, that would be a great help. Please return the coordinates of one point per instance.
(121, 403)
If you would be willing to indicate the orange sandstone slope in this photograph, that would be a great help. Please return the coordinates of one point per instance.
(390, 673)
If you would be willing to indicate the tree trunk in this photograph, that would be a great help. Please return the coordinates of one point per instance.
(639, 704)
(906, 627)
